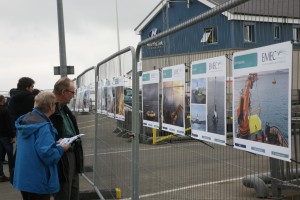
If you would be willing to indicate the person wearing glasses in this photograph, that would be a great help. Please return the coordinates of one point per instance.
(71, 163)
(36, 172)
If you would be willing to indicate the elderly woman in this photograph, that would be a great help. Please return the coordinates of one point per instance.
(36, 174)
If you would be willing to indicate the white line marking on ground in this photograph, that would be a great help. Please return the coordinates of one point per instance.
(126, 151)
(186, 187)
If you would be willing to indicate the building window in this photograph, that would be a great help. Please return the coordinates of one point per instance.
(249, 33)
(277, 32)
(210, 36)
(296, 34)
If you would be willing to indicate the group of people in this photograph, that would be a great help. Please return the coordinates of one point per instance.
(37, 121)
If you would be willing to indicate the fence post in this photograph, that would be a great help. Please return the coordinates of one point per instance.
(275, 176)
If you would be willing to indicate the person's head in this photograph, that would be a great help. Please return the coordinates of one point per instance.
(45, 102)
(2, 100)
(64, 90)
(35, 91)
(12, 91)
(26, 83)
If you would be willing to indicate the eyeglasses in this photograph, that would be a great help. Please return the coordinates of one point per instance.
(71, 91)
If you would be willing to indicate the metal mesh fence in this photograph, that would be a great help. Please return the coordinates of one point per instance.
(177, 166)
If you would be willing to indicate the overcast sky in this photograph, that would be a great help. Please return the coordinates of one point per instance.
(29, 36)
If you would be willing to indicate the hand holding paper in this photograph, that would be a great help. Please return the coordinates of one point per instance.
(69, 140)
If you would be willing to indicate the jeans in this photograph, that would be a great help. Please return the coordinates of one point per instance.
(6, 145)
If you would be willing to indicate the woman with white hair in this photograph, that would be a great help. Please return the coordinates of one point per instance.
(36, 174)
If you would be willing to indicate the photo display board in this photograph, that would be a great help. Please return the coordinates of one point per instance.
(110, 99)
(78, 102)
(99, 97)
(86, 99)
(173, 101)
(262, 100)
(119, 90)
(150, 91)
(208, 100)
(103, 92)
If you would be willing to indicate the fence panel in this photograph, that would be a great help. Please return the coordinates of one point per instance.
(157, 164)
(179, 167)
(113, 139)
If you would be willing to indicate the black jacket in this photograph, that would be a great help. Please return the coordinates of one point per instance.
(20, 103)
(6, 123)
(63, 165)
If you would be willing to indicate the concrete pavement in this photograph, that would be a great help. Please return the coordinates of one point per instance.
(7, 191)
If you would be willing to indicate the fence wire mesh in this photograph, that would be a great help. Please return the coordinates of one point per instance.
(178, 166)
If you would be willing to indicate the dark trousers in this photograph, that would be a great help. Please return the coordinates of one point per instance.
(3, 156)
(6, 145)
(34, 196)
(69, 190)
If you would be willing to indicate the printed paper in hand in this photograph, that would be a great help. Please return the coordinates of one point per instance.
(69, 140)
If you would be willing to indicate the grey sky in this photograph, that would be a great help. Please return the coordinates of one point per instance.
(29, 35)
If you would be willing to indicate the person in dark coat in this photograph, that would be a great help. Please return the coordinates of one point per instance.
(21, 102)
(7, 137)
(71, 163)
(22, 98)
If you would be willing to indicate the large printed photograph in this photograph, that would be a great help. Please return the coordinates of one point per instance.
(198, 101)
(120, 100)
(261, 108)
(150, 102)
(173, 102)
(215, 105)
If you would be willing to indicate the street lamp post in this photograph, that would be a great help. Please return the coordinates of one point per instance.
(61, 35)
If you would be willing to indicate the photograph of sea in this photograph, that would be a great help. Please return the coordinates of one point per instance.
(173, 102)
(150, 102)
(198, 94)
(198, 117)
(216, 105)
(261, 107)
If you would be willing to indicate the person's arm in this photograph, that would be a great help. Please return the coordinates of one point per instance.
(46, 147)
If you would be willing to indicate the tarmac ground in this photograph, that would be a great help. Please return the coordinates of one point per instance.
(8, 192)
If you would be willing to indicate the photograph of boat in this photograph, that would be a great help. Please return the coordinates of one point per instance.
(261, 107)
(150, 102)
(216, 105)
(198, 91)
(198, 117)
(173, 101)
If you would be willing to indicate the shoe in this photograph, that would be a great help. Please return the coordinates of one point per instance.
(3, 179)
(4, 162)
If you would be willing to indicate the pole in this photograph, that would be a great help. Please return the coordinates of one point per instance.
(61, 35)
(118, 37)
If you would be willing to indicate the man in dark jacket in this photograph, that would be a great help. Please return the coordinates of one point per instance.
(7, 137)
(22, 98)
(64, 121)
